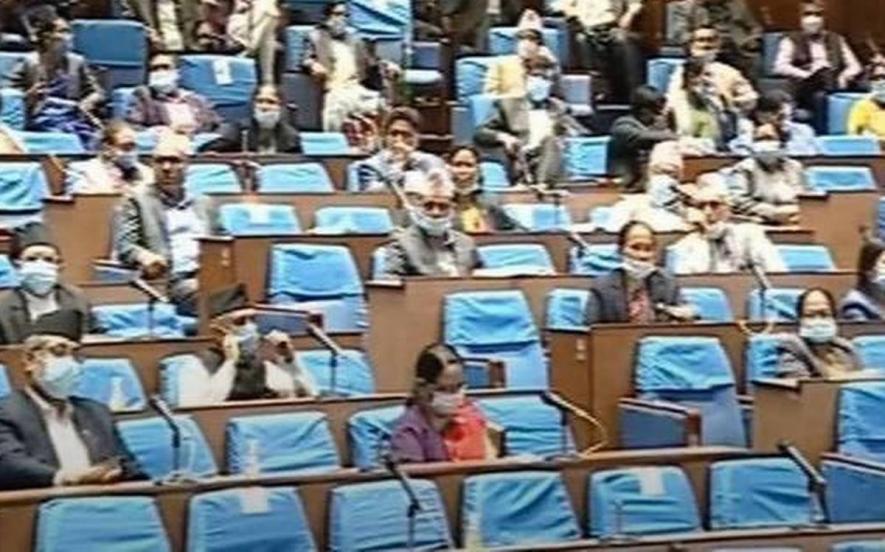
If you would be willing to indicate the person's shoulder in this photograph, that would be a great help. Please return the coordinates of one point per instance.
(12, 403)
(9, 297)
(92, 406)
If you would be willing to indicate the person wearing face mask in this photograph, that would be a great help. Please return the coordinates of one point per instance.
(817, 351)
(440, 423)
(268, 131)
(163, 103)
(816, 61)
(40, 291)
(350, 73)
(156, 228)
(530, 127)
(700, 112)
(49, 437)
(867, 116)
(866, 302)
(718, 245)
(429, 246)
(116, 169)
(243, 365)
(508, 75)
(61, 92)
(775, 108)
(638, 292)
(766, 186)
(476, 211)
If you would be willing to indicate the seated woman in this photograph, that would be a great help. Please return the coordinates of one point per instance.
(440, 423)
(638, 292)
(267, 131)
(817, 350)
(866, 302)
(476, 211)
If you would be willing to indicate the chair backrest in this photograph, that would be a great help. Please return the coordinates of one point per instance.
(759, 492)
(5, 388)
(228, 82)
(494, 175)
(597, 259)
(498, 325)
(711, 304)
(840, 179)
(290, 442)
(389, 20)
(859, 430)
(259, 219)
(294, 178)
(779, 304)
(761, 358)
(130, 320)
(372, 516)
(585, 157)
(150, 441)
(22, 187)
(8, 62)
(254, 518)
(566, 308)
(871, 350)
(659, 71)
(641, 501)
(839, 105)
(8, 274)
(806, 258)
(539, 217)
(302, 272)
(124, 57)
(770, 44)
(211, 178)
(528, 257)
(352, 220)
(58, 143)
(530, 425)
(354, 371)
(694, 372)
(368, 432)
(295, 39)
(518, 508)
(849, 145)
(470, 75)
(481, 107)
(113, 382)
(100, 523)
(13, 109)
(502, 41)
(324, 143)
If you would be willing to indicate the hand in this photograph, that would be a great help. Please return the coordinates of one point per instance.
(281, 343)
(37, 91)
(843, 81)
(100, 474)
(318, 70)
(230, 347)
(152, 265)
(154, 37)
(786, 214)
(682, 313)
(509, 142)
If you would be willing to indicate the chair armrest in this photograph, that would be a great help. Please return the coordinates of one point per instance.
(648, 424)
(853, 461)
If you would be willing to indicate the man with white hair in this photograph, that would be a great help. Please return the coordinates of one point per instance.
(719, 245)
(429, 246)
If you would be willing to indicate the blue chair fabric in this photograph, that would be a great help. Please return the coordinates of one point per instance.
(294, 178)
(112, 382)
(150, 441)
(565, 309)
(259, 219)
(354, 373)
(352, 220)
(289, 442)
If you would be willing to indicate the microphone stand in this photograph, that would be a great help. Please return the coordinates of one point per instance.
(151, 320)
(414, 505)
(326, 341)
(177, 476)
(817, 485)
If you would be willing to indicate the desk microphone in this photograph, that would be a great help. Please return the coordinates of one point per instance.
(153, 293)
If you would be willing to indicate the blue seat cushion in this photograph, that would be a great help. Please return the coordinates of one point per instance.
(871, 350)
(259, 219)
(293, 178)
(105, 377)
(566, 308)
(838, 179)
(368, 431)
(133, 320)
(586, 157)
(596, 260)
(291, 442)
(150, 441)
(354, 372)
(531, 426)
(305, 272)
(860, 432)
(211, 178)
(711, 303)
(353, 220)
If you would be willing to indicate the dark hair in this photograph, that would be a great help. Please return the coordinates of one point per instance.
(870, 252)
(812, 3)
(44, 25)
(773, 101)
(647, 97)
(330, 7)
(112, 129)
(458, 149)
(432, 360)
(406, 114)
(625, 231)
(800, 303)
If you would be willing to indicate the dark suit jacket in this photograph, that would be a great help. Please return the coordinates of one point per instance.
(511, 116)
(27, 457)
(187, 13)
(631, 142)
(608, 296)
(286, 138)
(318, 48)
(412, 254)
(15, 323)
(797, 360)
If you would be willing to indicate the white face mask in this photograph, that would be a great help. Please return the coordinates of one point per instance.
(60, 376)
(164, 81)
(818, 330)
(267, 119)
(446, 404)
(716, 230)
(436, 227)
(812, 24)
(638, 270)
(38, 277)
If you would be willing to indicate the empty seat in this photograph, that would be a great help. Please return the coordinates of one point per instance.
(597, 259)
(352, 220)
(849, 145)
(372, 517)
(56, 143)
(566, 308)
(175, 369)
(318, 144)
(539, 217)
(530, 425)
(641, 501)
(354, 372)
(871, 350)
(296, 441)
(518, 508)
(524, 258)
(258, 219)
(228, 82)
(12, 110)
(761, 358)
(100, 523)
(711, 304)
(255, 519)
(122, 58)
(839, 105)
(777, 304)
(294, 178)
(497, 325)
(136, 320)
(113, 382)
(470, 75)
(759, 492)
(321, 278)
(840, 179)
(858, 426)
(585, 157)
(660, 70)
(22, 189)
(211, 178)
(806, 258)
(150, 441)
(368, 433)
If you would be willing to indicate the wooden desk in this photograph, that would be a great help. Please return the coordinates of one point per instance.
(836, 221)
(699, 165)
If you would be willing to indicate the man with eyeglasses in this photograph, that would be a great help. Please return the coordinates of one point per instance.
(49, 436)
(116, 168)
(243, 364)
(429, 246)
(38, 263)
(718, 245)
(157, 228)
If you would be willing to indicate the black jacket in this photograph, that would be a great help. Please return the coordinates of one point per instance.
(631, 142)
(27, 457)
(285, 137)
(607, 303)
(15, 322)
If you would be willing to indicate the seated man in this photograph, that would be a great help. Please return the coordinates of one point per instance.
(169, 24)
(267, 132)
(156, 228)
(48, 436)
(37, 260)
(163, 103)
(867, 116)
(720, 245)
(701, 114)
(429, 246)
(776, 108)
(530, 127)
(399, 155)
(507, 77)
(243, 364)
(115, 169)
(253, 27)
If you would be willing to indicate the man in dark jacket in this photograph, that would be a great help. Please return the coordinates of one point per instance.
(48, 437)
(633, 136)
(266, 132)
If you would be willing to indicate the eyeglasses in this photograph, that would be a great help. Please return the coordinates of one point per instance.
(711, 204)
(452, 388)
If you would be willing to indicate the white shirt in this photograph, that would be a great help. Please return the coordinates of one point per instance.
(70, 450)
(167, 20)
(818, 49)
(185, 228)
(741, 245)
(344, 70)
(540, 127)
(38, 306)
(99, 177)
(593, 13)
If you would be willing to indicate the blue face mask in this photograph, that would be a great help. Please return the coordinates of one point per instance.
(38, 277)
(818, 330)
(537, 88)
(60, 376)
(126, 159)
(164, 81)
(436, 227)
(248, 338)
